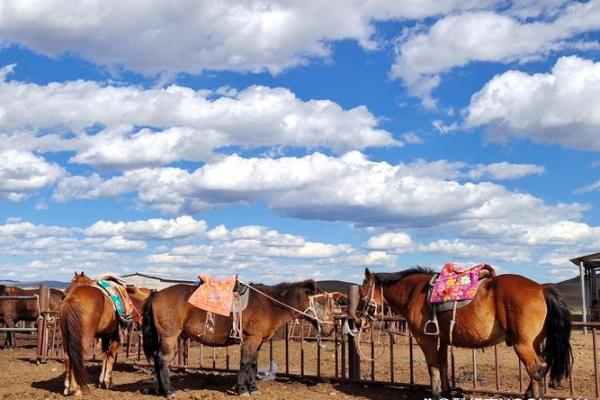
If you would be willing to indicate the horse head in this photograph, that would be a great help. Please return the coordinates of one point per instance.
(371, 298)
(79, 280)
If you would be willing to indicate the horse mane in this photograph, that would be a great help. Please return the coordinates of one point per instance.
(389, 278)
(284, 287)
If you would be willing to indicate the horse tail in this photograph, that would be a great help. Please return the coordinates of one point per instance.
(151, 338)
(71, 324)
(557, 350)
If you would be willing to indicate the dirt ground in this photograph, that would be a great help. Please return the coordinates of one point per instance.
(20, 378)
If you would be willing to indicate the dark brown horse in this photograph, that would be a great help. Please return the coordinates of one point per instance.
(86, 314)
(167, 315)
(12, 311)
(532, 318)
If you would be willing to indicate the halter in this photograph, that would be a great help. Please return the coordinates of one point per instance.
(369, 301)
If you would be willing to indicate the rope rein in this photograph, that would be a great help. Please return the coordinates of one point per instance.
(310, 311)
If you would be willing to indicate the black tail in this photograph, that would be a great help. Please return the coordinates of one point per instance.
(557, 349)
(151, 338)
(71, 317)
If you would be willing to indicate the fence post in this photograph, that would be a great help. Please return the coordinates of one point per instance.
(353, 356)
(44, 307)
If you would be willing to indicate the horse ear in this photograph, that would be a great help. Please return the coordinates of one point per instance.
(81, 273)
(367, 274)
(76, 273)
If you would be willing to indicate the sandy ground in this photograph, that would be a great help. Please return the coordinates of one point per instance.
(20, 378)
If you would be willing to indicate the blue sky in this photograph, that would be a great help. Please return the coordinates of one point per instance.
(286, 140)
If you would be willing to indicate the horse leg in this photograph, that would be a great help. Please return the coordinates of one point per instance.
(67, 376)
(161, 364)
(535, 366)
(111, 358)
(246, 379)
(443, 358)
(105, 344)
(10, 336)
(428, 345)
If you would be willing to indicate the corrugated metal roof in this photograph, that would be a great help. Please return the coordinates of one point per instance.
(589, 261)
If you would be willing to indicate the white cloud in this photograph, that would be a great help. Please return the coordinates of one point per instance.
(560, 107)
(154, 36)
(504, 171)
(348, 188)
(458, 39)
(154, 228)
(389, 240)
(186, 124)
(592, 187)
(23, 173)
(119, 243)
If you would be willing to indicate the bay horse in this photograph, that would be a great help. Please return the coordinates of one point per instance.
(13, 311)
(86, 314)
(533, 318)
(167, 315)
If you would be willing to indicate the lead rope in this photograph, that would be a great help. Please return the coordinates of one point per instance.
(310, 312)
(450, 333)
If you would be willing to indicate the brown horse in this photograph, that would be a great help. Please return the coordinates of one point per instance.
(531, 317)
(86, 314)
(13, 311)
(168, 314)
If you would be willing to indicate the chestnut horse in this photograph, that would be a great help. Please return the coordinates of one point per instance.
(86, 314)
(167, 315)
(23, 310)
(533, 318)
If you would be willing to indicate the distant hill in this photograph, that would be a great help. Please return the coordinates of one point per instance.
(34, 284)
(335, 286)
(570, 289)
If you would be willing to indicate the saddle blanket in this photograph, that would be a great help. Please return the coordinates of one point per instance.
(119, 298)
(214, 295)
(457, 284)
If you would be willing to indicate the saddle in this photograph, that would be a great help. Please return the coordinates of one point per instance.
(454, 288)
(119, 298)
(223, 297)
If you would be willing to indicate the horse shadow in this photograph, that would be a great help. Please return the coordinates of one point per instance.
(383, 392)
(182, 381)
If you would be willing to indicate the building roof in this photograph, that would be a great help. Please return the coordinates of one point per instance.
(158, 277)
(589, 261)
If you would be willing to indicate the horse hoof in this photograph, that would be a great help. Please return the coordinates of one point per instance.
(245, 394)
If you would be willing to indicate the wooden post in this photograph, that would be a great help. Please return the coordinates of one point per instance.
(353, 356)
(44, 307)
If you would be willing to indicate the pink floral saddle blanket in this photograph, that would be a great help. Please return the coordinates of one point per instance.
(458, 284)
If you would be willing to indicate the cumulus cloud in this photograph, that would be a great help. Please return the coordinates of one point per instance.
(185, 124)
(459, 39)
(186, 245)
(561, 107)
(23, 173)
(504, 171)
(153, 228)
(348, 188)
(209, 35)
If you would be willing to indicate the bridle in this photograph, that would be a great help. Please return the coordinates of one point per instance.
(370, 302)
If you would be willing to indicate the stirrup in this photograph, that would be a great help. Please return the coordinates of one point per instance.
(436, 328)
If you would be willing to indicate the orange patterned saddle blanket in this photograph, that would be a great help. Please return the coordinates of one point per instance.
(214, 295)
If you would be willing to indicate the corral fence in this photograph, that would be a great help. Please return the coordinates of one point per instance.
(42, 301)
(385, 354)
